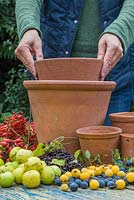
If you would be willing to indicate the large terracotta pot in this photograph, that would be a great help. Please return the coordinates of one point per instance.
(123, 120)
(100, 140)
(127, 145)
(69, 69)
(61, 107)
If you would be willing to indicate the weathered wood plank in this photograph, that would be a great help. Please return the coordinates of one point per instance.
(53, 193)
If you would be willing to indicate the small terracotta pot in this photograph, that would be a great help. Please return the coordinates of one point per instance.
(123, 120)
(61, 107)
(100, 140)
(127, 145)
(69, 69)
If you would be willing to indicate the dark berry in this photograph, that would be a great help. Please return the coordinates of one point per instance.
(78, 181)
(57, 181)
(103, 176)
(116, 177)
(128, 163)
(87, 180)
(111, 184)
(122, 169)
(120, 162)
(110, 179)
(101, 183)
(71, 179)
(73, 187)
(84, 185)
(106, 181)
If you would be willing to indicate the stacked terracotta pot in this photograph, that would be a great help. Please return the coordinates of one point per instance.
(67, 96)
(125, 121)
(99, 140)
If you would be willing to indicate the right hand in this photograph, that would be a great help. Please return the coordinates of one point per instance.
(29, 46)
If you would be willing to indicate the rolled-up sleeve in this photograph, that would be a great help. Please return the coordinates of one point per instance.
(123, 26)
(27, 15)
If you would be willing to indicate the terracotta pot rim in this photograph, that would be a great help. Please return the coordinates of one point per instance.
(98, 137)
(127, 135)
(122, 117)
(97, 132)
(66, 59)
(69, 85)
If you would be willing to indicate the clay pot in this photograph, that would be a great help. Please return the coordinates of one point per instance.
(69, 69)
(100, 140)
(127, 145)
(71, 144)
(123, 120)
(61, 107)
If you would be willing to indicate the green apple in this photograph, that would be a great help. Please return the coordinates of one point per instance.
(22, 165)
(31, 179)
(2, 169)
(15, 164)
(23, 155)
(8, 163)
(13, 152)
(9, 168)
(47, 175)
(6, 179)
(56, 169)
(43, 163)
(18, 173)
(33, 163)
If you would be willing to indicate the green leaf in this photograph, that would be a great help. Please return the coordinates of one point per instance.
(87, 154)
(132, 159)
(116, 154)
(40, 150)
(59, 162)
(73, 161)
(77, 154)
(97, 158)
(3, 116)
(131, 169)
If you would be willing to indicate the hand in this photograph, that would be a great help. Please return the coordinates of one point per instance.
(29, 46)
(110, 50)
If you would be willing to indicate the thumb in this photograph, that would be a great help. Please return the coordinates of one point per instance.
(101, 49)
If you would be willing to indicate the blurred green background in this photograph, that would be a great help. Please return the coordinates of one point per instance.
(13, 96)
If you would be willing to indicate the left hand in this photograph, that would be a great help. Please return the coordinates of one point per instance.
(110, 50)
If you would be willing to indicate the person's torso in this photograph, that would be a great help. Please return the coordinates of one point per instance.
(88, 33)
(60, 21)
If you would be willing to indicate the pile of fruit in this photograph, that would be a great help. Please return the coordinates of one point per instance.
(65, 160)
(24, 168)
(16, 130)
(28, 169)
(95, 177)
(24, 161)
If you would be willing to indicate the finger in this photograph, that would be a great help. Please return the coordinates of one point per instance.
(108, 61)
(38, 50)
(110, 64)
(101, 49)
(106, 68)
(24, 54)
(116, 58)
